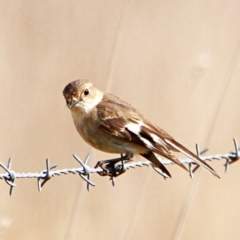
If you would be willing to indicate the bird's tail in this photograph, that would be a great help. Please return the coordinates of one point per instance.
(152, 158)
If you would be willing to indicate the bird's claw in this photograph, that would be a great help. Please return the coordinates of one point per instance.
(112, 167)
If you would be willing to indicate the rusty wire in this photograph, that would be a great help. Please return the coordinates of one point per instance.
(85, 171)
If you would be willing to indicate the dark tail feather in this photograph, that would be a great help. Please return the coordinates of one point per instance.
(178, 147)
(152, 158)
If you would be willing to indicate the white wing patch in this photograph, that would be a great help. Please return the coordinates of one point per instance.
(136, 129)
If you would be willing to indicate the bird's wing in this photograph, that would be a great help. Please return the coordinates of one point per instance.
(115, 115)
(120, 119)
(179, 147)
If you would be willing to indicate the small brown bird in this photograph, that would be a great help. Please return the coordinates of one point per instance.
(112, 125)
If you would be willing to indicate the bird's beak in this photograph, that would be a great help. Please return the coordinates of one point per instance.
(73, 102)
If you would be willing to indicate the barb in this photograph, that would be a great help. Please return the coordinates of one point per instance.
(11, 175)
(120, 166)
(86, 170)
(47, 175)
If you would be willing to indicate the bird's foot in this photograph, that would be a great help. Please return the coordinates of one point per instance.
(113, 167)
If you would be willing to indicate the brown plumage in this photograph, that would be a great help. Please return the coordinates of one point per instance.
(112, 125)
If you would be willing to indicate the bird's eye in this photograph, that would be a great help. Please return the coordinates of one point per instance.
(86, 92)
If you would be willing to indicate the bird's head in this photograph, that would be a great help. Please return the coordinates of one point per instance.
(82, 95)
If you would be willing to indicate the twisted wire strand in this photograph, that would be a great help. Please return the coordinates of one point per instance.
(85, 170)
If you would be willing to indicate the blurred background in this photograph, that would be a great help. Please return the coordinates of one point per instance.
(175, 61)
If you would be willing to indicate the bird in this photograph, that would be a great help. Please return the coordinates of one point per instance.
(112, 125)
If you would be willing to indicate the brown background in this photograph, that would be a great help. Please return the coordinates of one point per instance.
(176, 61)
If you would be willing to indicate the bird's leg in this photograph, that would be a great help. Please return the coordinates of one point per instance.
(110, 166)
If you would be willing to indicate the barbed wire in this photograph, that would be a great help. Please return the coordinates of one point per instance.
(112, 170)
